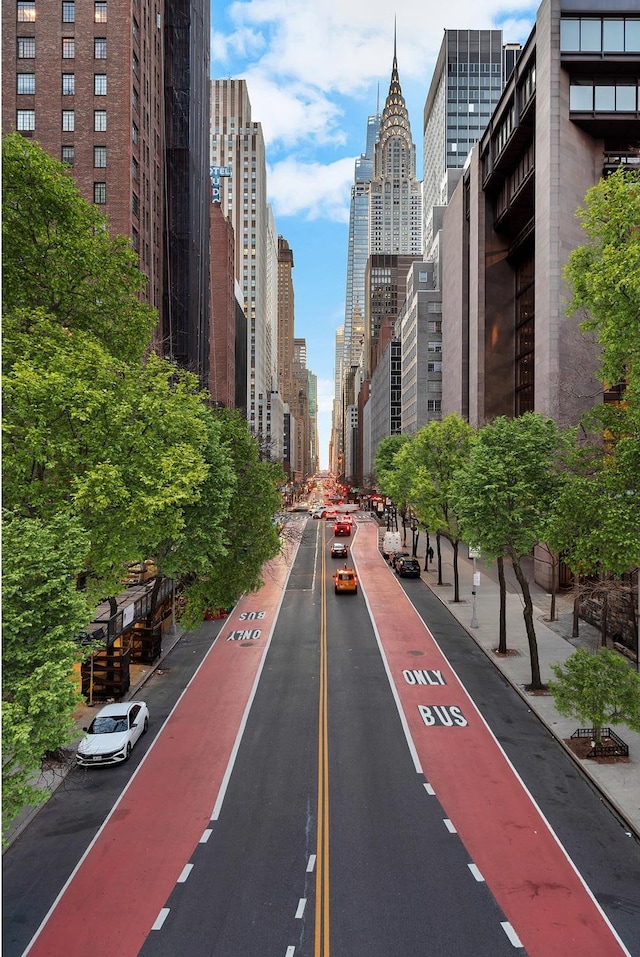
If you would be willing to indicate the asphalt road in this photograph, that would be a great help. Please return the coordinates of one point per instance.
(327, 840)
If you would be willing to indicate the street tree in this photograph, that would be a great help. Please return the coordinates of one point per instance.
(439, 450)
(42, 613)
(599, 689)
(214, 570)
(390, 477)
(502, 494)
(59, 259)
(604, 276)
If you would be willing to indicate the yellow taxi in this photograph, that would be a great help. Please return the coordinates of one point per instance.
(345, 580)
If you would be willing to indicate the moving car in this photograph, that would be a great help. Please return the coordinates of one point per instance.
(339, 550)
(342, 528)
(330, 516)
(345, 580)
(112, 734)
(391, 542)
(408, 567)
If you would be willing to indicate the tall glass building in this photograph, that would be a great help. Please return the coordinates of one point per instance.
(358, 248)
(469, 76)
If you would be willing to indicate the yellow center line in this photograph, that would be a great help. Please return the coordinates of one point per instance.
(321, 948)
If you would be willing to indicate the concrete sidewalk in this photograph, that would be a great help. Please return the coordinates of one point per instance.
(618, 781)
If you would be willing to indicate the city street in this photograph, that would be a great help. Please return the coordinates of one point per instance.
(328, 774)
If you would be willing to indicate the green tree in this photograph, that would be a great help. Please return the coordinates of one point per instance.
(42, 612)
(390, 475)
(117, 444)
(59, 259)
(599, 689)
(216, 569)
(440, 449)
(503, 493)
(604, 275)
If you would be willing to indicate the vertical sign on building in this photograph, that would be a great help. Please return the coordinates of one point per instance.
(216, 173)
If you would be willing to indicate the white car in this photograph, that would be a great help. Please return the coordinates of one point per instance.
(110, 737)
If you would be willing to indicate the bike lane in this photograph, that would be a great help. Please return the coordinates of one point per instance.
(119, 888)
(504, 832)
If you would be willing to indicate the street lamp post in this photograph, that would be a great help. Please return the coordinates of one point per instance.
(475, 554)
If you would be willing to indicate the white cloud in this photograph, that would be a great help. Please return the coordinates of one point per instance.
(292, 112)
(314, 189)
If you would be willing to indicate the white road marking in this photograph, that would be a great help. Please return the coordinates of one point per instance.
(205, 836)
(290, 952)
(429, 789)
(476, 873)
(449, 826)
(302, 903)
(511, 934)
(311, 864)
(160, 919)
(186, 870)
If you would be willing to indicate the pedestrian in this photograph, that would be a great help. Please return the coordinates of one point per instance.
(430, 553)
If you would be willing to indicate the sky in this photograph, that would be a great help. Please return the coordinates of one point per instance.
(314, 73)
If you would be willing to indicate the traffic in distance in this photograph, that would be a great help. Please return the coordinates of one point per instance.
(327, 775)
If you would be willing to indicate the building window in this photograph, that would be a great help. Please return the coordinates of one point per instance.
(135, 100)
(99, 121)
(68, 155)
(26, 48)
(68, 84)
(434, 405)
(68, 11)
(99, 157)
(135, 166)
(26, 11)
(134, 133)
(524, 336)
(25, 120)
(68, 121)
(100, 11)
(26, 83)
(99, 84)
(135, 63)
(68, 48)
(135, 204)
(99, 193)
(100, 48)
(135, 239)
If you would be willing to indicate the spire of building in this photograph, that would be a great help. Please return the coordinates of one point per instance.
(395, 117)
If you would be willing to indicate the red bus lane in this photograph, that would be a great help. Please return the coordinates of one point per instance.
(120, 887)
(505, 834)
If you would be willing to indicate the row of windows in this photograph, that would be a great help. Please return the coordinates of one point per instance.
(604, 96)
(26, 83)
(27, 48)
(26, 121)
(27, 11)
(600, 35)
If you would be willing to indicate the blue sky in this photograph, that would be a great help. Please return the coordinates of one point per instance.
(314, 72)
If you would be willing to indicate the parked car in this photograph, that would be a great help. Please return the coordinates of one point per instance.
(342, 528)
(110, 737)
(345, 580)
(408, 567)
(339, 550)
(396, 556)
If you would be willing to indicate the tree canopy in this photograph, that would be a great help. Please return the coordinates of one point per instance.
(112, 455)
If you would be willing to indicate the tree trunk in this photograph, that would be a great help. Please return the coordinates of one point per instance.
(439, 558)
(456, 577)
(575, 631)
(416, 536)
(502, 639)
(527, 611)
(426, 552)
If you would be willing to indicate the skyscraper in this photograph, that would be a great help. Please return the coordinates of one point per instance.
(468, 79)
(237, 145)
(395, 202)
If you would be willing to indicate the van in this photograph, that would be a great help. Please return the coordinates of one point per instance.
(392, 542)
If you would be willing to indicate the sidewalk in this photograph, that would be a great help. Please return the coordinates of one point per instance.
(618, 781)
